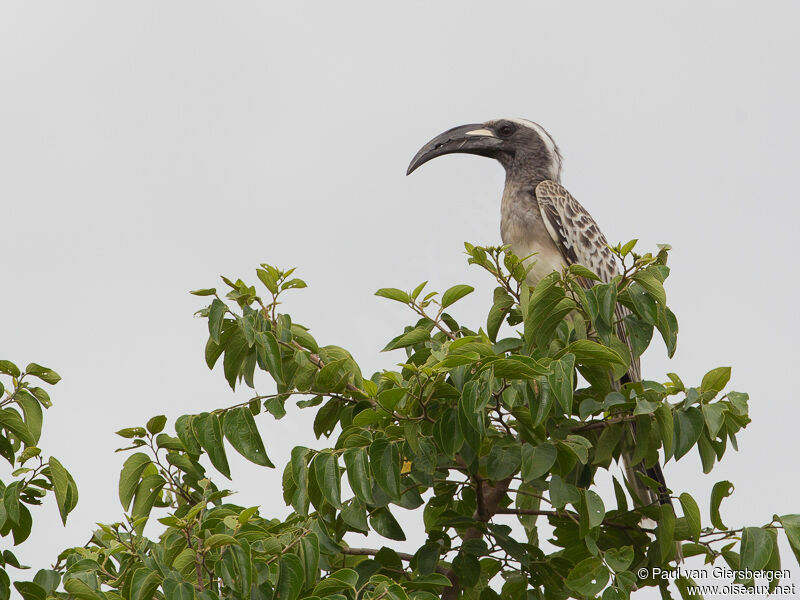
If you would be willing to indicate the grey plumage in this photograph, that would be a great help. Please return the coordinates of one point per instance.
(539, 217)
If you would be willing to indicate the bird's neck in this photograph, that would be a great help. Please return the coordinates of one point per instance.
(527, 174)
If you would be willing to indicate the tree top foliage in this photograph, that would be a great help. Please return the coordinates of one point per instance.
(513, 421)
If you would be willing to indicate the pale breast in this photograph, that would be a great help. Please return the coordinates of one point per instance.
(522, 227)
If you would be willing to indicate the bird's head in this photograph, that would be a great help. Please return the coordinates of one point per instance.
(521, 146)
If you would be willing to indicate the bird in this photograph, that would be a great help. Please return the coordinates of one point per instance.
(541, 220)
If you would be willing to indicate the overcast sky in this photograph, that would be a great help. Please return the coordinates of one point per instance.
(149, 147)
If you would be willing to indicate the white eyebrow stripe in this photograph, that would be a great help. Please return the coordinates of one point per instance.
(550, 144)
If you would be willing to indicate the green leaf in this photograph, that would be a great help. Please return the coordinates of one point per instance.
(627, 247)
(410, 338)
(607, 443)
(511, 368)
(619, 495)
(418, 289)
(588, 407)
(293, 284)
(41, 395)
(592, 354)
(355, 515)
(756, 548)
(43, 373)
(9, 368)
(455, 293)
(721, 489)
(156, 424)
(739, 402)
(28, 453)
(502, 461)
(581, 271)
(147, 492)
(326, 471)
(236, 352)
(290, 577)
(547, 309)
(11, 420)
(685, 587)
(563, 493)
(648, 280)
(561, 380)
(467, 569)
(32, 410)
(204, 292)
(774, 563)
(537, 460)
(394, 294)
(132, 432)
(645, 406)
(447, 433)
(81, 590)
(144, 584)
(48, 579)
(309, 555)
(327, 417)
(209, 434)
(343, 579)
(665, 533)
(384, 459)
(64, 486)
(619, 559)
(216, 314)
(692, 514)
(268, 276)
(640, 333)
(130, 476)
(389, 399)
(270, 353)
(11, 502)
(426, 558)
(715, 379)
(355, 460)
(218, 540)
(594, 507)
(500, 307)
(588, 577)
(174, 590)
(667, 326)
(666, 427)
(791, 527)
(688, 427)
(299, 472)
(579, 446)
(240, 430)
(714, 415)
(384, 523)
(30, 590)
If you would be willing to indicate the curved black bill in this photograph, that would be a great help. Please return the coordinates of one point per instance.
(470, 139)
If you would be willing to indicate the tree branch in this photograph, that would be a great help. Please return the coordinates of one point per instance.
(488, 499)
(604, 423)
(373, 551)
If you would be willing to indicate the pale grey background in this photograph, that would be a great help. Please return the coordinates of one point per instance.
(147, 147)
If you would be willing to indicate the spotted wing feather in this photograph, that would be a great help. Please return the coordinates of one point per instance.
(580, 240)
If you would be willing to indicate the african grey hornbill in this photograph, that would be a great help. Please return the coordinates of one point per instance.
(540, 219)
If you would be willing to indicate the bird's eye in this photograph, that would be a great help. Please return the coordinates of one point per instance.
(505, 130)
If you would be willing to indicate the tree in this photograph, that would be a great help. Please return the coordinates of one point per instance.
(469, 429)
(21, 419)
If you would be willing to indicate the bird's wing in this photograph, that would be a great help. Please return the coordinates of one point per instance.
(574, 230)
(580, 241)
